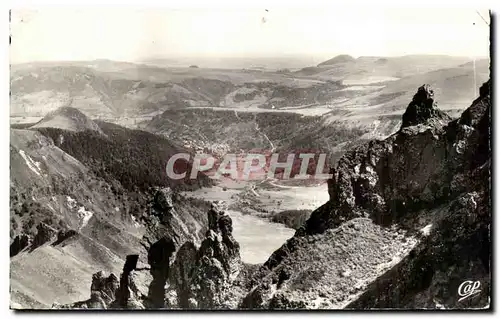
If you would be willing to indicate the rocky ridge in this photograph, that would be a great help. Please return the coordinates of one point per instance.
(427, 187)
(407, 222)
(201, 276)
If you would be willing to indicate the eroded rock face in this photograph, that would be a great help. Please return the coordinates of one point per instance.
(159, 260)
(407, 223)
(457, 250)
(134, 283)
(174, 217)
(415, 182)
(163, 200)
(103, 290)
(409, 171)
(181, 276)
(203, 278)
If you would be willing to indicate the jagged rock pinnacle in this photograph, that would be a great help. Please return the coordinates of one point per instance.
(422, 108)
(199, 276)
(103, 290)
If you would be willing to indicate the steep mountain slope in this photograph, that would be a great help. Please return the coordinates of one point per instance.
(137, 159)
(73, 216)
(427, 189)
(52, 194)
(407, 223)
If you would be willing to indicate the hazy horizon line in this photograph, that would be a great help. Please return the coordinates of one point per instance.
(213, 57)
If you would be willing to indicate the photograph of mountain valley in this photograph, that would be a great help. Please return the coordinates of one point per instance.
(312, 158)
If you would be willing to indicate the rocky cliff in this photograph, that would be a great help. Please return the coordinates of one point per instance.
(206, 278)
(408, 221)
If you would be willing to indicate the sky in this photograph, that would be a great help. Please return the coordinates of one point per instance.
(135, 35)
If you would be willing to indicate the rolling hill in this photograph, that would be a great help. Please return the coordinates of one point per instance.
(69, 119)
(350, 69)
(343, 58)
(128, 94)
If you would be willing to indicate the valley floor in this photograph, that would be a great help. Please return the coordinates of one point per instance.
(252, 206)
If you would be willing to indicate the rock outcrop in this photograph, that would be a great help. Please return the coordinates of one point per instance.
(426, 188)
(204, 278)
(423, 109)
(103, 289)
(64, 235)
(45, 233)
(133, 291)
(200, 278)
(408, 221)
(163, 200)
(459, 248)
(181, 277)
(174, 217)
(102, 293)
(159, 260)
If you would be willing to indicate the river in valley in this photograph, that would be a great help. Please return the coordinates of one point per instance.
(258, 238)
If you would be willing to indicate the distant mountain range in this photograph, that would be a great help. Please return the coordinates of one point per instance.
(107, 89)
